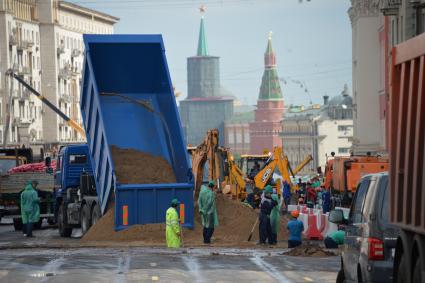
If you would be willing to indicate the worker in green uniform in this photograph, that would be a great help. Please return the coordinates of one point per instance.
(208, 211)
(30, 207)
(334, 239)
(172, 230)
(275, 220)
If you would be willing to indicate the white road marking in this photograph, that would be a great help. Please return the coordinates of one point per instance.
(194, 267)
(122, 269)
(269, 269)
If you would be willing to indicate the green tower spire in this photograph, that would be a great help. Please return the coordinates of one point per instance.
(270, 85)
(202, 41)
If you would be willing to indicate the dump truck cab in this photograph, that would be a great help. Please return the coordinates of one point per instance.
(75, 190)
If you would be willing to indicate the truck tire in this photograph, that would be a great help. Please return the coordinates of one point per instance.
(17, 224)
(85, 219)
(95, 216)
(64, 229)
(340, 278)
(417, 272)
(38, 225)
(402, 276)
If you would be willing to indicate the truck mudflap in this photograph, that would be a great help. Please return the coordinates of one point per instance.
(143, 204)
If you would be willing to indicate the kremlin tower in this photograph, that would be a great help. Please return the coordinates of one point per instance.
(264, 131)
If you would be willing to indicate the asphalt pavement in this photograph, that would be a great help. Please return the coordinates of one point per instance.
(38, 264)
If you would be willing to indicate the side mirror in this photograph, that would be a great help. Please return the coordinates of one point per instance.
(336, 216)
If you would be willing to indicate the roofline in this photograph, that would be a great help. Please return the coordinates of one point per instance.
(88, 11)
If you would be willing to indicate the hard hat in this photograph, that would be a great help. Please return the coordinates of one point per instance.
(175, 202)
(268, 189)
(295, 213)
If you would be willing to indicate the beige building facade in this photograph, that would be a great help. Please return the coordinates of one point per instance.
(42, 42)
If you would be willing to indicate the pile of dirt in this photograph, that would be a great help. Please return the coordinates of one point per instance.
(137, 167)
(235, 223)
(310, 251)
(132, 167)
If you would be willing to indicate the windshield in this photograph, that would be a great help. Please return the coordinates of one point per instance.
(6, 164)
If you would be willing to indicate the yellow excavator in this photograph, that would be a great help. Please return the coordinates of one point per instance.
(209, 151)
(280, 161)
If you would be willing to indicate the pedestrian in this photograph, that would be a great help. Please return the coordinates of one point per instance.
(334, 239)
(311, 197)
(286, 194)
(266, 207)
(208, 211)
(30, 207)
(295, 227)
(326, 200)
(275, 220)
(172, 230)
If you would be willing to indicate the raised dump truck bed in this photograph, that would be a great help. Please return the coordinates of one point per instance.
(128, 101)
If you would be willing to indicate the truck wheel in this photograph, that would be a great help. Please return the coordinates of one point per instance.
(17, 224)
(51, 221)
(417, 276)
(38, 224)
(401, 275)
(340, 278)
(64, 230)
(85, 219)
(95, 216)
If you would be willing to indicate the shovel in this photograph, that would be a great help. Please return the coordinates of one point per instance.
(252, 230)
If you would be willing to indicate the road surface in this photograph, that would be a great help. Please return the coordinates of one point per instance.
(151, 264)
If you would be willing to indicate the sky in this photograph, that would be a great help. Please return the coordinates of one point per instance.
(312, 41)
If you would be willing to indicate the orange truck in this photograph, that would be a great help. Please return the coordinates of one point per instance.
(343, 173)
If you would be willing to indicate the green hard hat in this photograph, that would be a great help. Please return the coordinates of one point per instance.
(175, 202)
(268, 189)
(211, 183)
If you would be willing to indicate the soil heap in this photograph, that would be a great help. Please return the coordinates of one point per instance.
(137, 167)
(235, 223)
(310, 251)
(131, 167)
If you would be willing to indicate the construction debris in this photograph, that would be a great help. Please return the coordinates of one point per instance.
(310, 251)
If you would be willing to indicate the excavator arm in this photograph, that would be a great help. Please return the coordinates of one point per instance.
(207, 150)
(279, 160)
(302, 164)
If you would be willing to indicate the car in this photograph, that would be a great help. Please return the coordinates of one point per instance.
(370, 240)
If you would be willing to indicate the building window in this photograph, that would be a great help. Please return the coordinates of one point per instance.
(246, 136)
(238, 137)
(231, 136)
(342, 150)
(344, 128)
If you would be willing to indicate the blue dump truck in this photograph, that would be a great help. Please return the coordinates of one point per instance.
(127, 102)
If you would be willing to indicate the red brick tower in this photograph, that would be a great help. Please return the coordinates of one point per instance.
(264, 131)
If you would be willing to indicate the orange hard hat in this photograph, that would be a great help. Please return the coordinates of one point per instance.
(295, 213)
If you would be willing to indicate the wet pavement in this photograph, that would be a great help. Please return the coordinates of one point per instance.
(151, 264)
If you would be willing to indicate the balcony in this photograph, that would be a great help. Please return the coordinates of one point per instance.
(65, 98)
(75, 53)
(75, 71)
(25, 95)
(13, 39)
(65, 72)
(22, 45)
(24, 70)
(390, 7)
(61, 49)
(30, 43)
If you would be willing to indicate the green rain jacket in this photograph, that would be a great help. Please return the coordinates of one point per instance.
(207, 208)
(172, 230)
(30, 205)
(275, 215)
